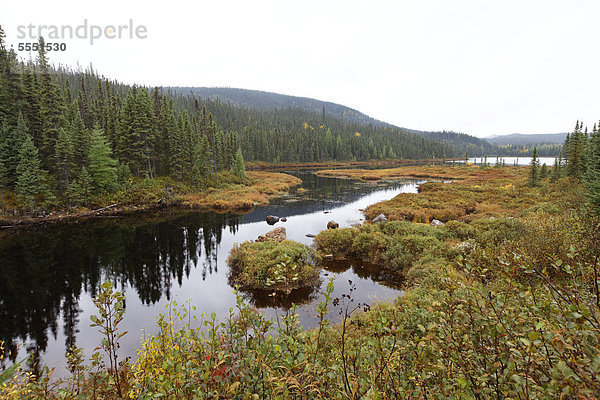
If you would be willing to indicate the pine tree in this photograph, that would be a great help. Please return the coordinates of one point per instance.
(103, 168)
(534, 174)
(30, 184)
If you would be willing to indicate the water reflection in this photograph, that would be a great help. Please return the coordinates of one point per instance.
(45, 272)
(49, 276)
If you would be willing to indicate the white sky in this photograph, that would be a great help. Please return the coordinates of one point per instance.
(480, 67)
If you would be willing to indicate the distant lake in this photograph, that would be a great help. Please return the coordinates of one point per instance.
(549, 161)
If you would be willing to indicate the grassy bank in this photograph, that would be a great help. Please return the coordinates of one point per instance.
(230, 194)
(343, 164)
(506, 307)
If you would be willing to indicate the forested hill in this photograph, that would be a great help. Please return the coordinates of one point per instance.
(262, 100)
(279, 107)
(462, 143)
(522, 139)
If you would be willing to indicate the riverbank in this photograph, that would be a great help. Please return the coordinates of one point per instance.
(500, 301)
(405, 172)
(233, 194)
(260, 166)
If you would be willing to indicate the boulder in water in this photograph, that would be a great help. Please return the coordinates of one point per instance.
(272, 219)
(276, 235)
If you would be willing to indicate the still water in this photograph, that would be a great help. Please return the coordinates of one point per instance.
(50, 275)
(510, 161)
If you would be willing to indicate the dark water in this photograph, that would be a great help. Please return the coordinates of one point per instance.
(49, 276)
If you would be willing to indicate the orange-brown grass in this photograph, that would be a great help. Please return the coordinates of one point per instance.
(423, 171)
(262, 186)
(261, 165)
(475, 193)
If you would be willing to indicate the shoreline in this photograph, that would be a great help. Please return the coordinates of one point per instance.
(236, 198)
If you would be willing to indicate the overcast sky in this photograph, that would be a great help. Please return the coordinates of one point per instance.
(478, 67)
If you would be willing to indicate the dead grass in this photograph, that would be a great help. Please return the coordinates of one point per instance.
(474, 193)
(243, 197)
(424, 171)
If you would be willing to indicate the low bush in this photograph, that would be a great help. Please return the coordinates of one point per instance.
(337, 242)
(276, 266)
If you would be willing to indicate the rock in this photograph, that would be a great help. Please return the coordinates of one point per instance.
(310, 235)
(492, 218)
(272, 219)
(326, 212)
(466, 247)
(283, 219)
(276, 235)
(379, 218)
(436, 222)
(332, 225)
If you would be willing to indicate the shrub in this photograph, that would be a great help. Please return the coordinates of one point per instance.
(276, 266)
(336, 241)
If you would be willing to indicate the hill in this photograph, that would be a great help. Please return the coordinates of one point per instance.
(262, 100)
(236, 109)
(527, 140)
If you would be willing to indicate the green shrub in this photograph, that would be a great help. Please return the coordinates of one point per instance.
(460, 230)
(276, 266)
(336, 241)
(371, 246)
(403, 228)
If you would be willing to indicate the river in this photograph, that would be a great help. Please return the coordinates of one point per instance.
(50, 275)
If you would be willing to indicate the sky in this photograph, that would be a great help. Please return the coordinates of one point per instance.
(480, 67)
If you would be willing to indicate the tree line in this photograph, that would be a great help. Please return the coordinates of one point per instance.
(579, 158)
(66, 135)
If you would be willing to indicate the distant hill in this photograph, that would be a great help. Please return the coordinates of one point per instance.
(260, 100)
(461, 142)
(280, 107)
(527, 140)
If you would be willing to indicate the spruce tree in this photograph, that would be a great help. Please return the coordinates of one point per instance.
(555, 171)
(534, 174)
(592, 177)
(544, 171)
(239, 168)
(10, 146)
(52, 108)
(85, 184)
(30, 183)
(64, 159)
(103, 168)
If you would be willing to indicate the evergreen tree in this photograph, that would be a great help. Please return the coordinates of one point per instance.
(592, 178)
(85, 185)
(534, 174)
(64, 159)
(575, 147)
(239, 168)
(30, 183)
(12, 141)
(544, 171)
(555, 171)
(52, 108)
(103, 168)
